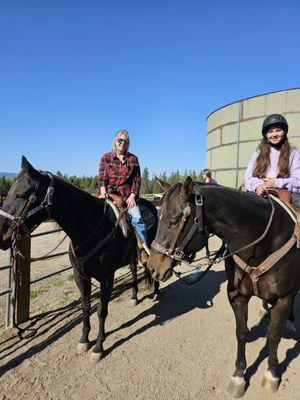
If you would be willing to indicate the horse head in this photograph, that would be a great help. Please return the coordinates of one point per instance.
(179, 214)
(24, 207)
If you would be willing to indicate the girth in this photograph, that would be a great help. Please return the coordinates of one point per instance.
(256, 272)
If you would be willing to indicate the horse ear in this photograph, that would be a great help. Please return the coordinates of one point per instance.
(26, 166)
(196, 188)
(162, 184)
(188, 186)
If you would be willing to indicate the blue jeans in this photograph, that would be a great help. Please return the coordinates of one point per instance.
(138, 222)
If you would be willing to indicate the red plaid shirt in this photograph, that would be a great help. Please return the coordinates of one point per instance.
(121, 178)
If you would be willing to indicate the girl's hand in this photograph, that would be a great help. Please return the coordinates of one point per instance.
(261, 189)
(269, 182)
(131, 201)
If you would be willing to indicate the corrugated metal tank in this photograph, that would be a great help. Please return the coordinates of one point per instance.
(234, 132)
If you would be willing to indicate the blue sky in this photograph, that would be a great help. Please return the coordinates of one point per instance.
(73, 72)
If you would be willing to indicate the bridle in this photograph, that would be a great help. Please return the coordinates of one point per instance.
(178, 253)
(19, 221)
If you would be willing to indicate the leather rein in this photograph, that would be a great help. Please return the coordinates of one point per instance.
(14, 231)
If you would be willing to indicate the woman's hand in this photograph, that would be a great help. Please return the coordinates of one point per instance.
(103, 194)
(131, 201)
(269, 182)
(261, 189)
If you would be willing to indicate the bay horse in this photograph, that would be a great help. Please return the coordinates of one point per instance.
(239, 219)
(99, 245)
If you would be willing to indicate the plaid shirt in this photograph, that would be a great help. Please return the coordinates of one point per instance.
(119, 178)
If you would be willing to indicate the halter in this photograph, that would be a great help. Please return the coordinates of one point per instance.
(177, 253)
(14, 230)
(19, 221)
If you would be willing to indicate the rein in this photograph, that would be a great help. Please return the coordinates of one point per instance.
(104, 241)
(14, 230)
(213, 260)
(178, 255)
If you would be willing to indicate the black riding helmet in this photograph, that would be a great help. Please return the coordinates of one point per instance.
(275, 119)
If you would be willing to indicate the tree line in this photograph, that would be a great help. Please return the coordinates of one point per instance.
(90, 183)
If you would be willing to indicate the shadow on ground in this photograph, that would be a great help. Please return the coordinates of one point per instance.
(260, 330)
(176, 299)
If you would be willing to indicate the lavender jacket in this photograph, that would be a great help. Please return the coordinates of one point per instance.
(291, 183)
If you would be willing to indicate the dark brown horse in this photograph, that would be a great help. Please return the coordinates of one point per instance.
(99, 244)
(238, 219)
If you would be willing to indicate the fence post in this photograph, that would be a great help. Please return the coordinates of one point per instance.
(23, 295)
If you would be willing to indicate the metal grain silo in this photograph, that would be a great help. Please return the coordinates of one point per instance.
(234, 132)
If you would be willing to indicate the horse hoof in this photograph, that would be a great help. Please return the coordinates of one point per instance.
(270, 382)
(236, 386)
(83, 347)
(96, 357)
(134, 302)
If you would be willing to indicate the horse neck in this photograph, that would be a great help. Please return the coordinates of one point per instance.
(234, 217)
(77, 212)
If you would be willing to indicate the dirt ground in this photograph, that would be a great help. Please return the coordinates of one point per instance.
(182, 347)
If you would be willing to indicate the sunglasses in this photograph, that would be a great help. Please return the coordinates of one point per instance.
(120, 141)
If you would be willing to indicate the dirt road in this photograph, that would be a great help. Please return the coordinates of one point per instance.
(182, 347)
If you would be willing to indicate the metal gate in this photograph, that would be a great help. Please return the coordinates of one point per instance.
(23, 297)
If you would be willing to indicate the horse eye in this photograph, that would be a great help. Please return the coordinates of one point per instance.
(173, 222)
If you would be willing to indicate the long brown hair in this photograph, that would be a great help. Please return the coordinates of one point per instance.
(263, 160)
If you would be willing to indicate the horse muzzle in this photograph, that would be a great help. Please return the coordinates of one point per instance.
(160, 266)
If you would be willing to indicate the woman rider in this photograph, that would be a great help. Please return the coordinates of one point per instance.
(276, 164)
(119, 173)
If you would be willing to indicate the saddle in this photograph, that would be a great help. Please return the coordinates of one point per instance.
(284, 199)
(148, 210)
(282, 194)
(149, 214)
(117, 200)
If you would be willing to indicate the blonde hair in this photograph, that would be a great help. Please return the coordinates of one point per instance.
(121, 132)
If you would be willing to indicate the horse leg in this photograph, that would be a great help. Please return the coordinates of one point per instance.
(291, 319)
(239, 305)
(279, 313)
(85, 290)
(207, 251)
(135, 289)
(150, 283)
(102, 311)
(156, 293)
